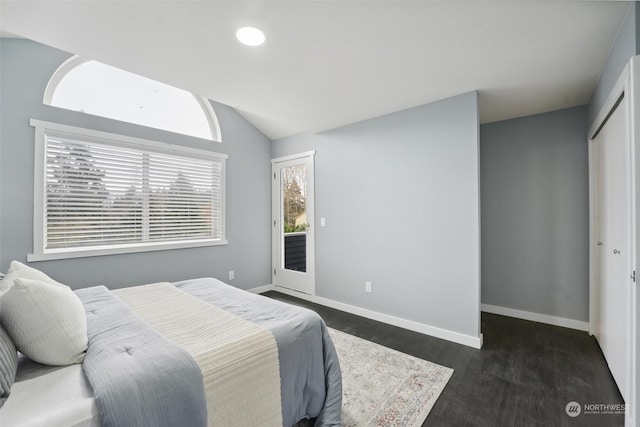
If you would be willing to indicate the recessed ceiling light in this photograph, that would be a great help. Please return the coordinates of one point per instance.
(250, 36)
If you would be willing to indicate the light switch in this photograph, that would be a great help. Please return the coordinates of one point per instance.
(323, 222)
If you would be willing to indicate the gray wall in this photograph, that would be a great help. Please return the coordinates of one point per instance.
(622, 50)
(400, 196)
(535, 214)
(25, 70)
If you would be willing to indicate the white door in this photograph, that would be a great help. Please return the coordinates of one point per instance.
(293, 246)
(612, 193)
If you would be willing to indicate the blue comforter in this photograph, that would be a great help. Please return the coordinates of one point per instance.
(127, 362)
(138, 377)
(310, 377)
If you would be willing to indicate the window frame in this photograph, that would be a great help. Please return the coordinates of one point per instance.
(40, 253)
(76, 61)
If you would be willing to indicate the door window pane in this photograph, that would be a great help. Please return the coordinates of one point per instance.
(294, 217)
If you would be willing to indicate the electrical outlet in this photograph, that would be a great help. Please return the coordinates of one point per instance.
(367, 287)
(232, 275)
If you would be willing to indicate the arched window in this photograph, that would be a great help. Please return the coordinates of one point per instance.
(95, 88)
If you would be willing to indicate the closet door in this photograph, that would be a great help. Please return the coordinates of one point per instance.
(613, 209)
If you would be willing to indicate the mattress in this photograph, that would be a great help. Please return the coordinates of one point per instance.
(50, 396)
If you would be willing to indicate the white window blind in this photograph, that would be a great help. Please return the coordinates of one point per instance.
(110, 193)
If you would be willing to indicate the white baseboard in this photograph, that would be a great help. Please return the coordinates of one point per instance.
(468, 340)
(537, 317)
(262, 289)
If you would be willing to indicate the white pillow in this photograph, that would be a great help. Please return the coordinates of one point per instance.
(46, 321)
(18, 269)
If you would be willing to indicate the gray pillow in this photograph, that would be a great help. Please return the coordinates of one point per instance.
(8, 365)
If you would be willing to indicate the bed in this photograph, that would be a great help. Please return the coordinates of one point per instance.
(195, 352)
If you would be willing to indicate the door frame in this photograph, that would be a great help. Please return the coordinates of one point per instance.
(628, 86)
(276, 230)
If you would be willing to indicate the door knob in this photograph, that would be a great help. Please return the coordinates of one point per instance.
(617, 252)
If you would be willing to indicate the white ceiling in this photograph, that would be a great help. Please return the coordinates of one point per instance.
(331, 63)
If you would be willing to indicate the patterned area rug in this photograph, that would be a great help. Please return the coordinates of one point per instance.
(383, 387)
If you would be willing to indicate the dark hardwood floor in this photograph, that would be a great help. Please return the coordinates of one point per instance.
(525, 374)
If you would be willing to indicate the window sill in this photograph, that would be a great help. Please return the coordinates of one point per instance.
(121, 249)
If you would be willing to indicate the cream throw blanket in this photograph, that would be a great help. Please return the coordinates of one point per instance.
(238, 359)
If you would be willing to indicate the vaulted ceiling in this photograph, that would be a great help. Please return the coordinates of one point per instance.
(329, 63)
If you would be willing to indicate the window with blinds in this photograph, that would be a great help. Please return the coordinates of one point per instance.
(108, 193)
